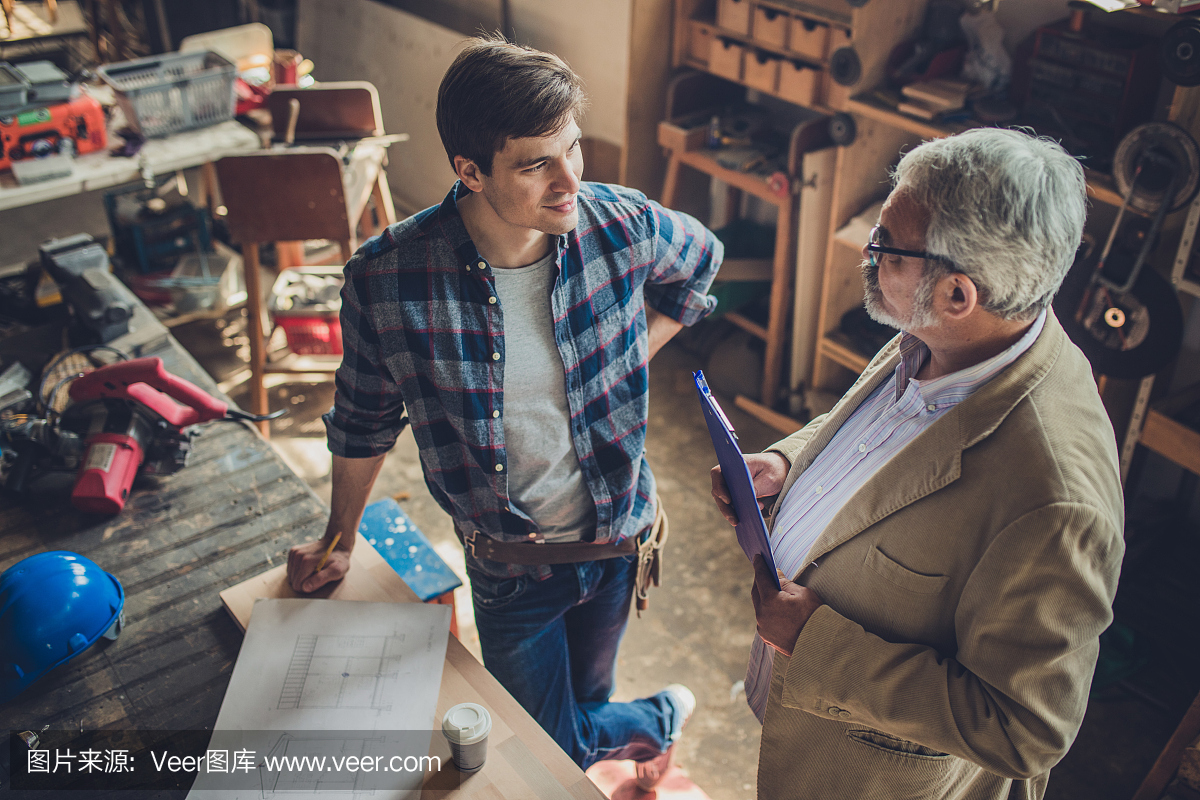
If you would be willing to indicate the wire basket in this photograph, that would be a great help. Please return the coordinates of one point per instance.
(174, 92)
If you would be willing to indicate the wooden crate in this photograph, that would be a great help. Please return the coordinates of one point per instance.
(725, 58)
(770, 26)
(797, 82)
(808, 38)
(761, 70)
(734, 15)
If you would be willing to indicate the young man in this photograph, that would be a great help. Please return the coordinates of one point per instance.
(953, 527)
(514, 323)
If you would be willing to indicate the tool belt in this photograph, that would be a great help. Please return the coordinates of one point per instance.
(648, 547)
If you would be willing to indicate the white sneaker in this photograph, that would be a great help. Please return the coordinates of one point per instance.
(649, 773)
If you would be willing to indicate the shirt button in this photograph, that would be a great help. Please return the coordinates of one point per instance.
(492, 300)
(495, 356)
(834, 711)
(844, 714)
(499, 468)
(818, 490)
(862, 447)
(931, 407)
(495, 414)
(481, 265)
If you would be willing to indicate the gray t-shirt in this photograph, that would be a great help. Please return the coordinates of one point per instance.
(544, 478)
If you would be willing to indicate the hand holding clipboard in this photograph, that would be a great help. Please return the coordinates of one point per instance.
(751, 529)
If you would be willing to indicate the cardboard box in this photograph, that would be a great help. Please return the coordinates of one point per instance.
(808, 38)
(734, 15)
(761, 70)
(798, 82)
(770, 26)
(725, 58)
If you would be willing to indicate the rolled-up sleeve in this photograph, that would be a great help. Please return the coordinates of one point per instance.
(687, 257)
(368, 409)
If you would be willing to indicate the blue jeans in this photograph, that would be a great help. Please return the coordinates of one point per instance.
(553, 645)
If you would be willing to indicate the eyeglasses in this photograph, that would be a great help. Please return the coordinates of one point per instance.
(874, 248)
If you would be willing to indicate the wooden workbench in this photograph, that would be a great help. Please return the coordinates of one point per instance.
(229, 515)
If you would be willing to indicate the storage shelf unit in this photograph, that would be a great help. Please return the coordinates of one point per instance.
(727, 38)
(789, 49)
(692, 92)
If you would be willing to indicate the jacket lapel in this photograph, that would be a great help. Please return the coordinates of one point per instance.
(934, 459)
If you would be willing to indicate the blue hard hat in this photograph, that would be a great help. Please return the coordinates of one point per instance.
(53, 606)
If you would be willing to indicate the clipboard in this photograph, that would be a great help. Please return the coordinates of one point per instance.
(751, 529)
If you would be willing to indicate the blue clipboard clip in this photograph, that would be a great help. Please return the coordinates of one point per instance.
(751, 528)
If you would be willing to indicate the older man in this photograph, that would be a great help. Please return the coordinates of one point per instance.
(953, 527)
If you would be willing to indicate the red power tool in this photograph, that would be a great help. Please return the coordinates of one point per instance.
(130, 419)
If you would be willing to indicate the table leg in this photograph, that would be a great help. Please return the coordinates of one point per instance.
(258, 351)
(671, 181)
(733, 204)
(289, 254)
(207, 190)
(382, 194)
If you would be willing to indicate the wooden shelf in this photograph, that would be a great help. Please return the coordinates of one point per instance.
(876, 110)
(693, 63)
(836, 346)
(750, 41)
(747, 182)
(802, 9)
(1101, 187)
(293, 363)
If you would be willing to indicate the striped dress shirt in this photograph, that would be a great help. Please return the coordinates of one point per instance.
(895, 414)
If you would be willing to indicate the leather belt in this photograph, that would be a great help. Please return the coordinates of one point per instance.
(529, 554)
(647, 546)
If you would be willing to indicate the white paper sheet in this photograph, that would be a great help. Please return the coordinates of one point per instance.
(334, 679)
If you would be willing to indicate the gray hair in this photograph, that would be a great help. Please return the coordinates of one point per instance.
(1006, 207)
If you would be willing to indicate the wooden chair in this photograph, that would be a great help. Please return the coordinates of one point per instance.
(293, 193)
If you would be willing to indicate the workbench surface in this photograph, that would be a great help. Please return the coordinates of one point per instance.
(229, 515)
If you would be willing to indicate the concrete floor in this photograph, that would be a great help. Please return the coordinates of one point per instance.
(700, 623)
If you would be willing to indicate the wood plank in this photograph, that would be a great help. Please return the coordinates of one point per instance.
(364, 583)
(747, 324)
(836, 346)
(780, 422)
(1172, 439)
(740, 180)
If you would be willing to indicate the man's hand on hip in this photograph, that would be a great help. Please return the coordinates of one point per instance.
(781, 614)
(767, 470)
(302, 572)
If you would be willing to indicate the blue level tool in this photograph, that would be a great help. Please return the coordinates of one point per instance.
(401, 543)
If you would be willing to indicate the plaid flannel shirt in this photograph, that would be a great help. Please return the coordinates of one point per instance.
(423, 332)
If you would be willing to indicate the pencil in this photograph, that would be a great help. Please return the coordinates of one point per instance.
(337, 538)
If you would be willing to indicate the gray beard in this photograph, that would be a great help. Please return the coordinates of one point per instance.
(922, 315)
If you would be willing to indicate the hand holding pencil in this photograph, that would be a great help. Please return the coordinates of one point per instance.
(314, 564)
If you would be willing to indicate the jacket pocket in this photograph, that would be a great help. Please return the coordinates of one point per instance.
(898, 769)
(900, 575)
(895, 745)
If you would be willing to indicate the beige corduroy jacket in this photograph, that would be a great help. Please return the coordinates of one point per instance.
(965, 586)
